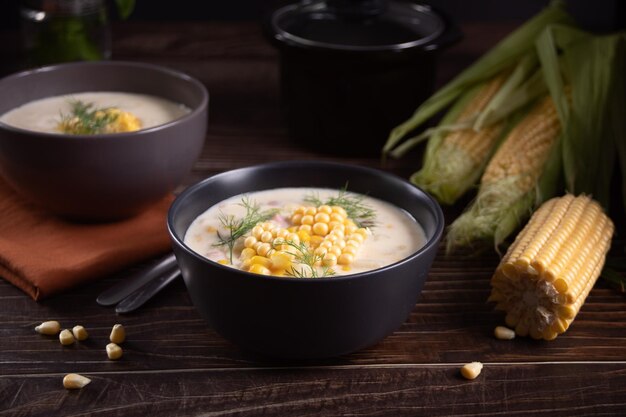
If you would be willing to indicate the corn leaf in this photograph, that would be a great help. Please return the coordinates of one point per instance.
(617, 108)
(588, 65)
(505, 54)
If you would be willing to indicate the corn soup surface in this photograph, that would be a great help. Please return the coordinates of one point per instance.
(45, 115)
(296, 227)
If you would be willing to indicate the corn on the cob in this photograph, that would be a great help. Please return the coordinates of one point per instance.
(453, 164)
(506, 192)
(547, 273)
(524, 152)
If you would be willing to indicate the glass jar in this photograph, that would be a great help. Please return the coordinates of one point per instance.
(56, 31)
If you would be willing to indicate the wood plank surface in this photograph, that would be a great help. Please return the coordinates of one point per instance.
(174, 364)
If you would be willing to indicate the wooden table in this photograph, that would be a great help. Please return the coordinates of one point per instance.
(174, 364)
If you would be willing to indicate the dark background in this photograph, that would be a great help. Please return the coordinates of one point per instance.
(596, 15)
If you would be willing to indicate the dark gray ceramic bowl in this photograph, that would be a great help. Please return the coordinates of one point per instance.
(304, 317)
(101, 177)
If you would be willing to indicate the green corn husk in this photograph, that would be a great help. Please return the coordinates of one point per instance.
(505, 54)
(583, 159)
(448, 171)
(593, 66)
(500, 208)
(439, 175)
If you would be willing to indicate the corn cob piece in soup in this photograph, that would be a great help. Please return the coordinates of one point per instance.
(305, 232)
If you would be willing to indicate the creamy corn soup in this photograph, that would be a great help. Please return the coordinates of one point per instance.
(304, 232)
(123, 111)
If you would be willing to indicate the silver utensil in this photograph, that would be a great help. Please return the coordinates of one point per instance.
(145, 293)
(140, 287)
(123, 289)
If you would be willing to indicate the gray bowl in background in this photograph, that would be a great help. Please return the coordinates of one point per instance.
(101, 177)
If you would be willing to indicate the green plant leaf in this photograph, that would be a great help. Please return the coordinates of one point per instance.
(125, 8)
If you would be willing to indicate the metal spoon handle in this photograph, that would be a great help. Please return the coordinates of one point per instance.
(139, 297)
(120, 291)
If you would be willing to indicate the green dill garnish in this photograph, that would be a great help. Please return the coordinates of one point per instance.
(85, 119)
(303, 256)
(357, 210)
(236, 228)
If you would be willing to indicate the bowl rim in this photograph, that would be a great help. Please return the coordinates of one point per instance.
(109, 136)
(431, 204)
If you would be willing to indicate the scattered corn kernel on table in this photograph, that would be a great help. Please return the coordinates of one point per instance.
(174, 364)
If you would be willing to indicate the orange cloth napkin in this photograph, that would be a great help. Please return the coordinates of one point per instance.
(45, 255)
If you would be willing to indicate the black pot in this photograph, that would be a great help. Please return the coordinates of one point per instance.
(352, 70)
(304, 317)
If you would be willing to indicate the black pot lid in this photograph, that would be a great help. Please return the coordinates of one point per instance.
(357, 25)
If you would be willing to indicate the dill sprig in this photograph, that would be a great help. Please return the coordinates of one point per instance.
(236, 228)
(304, 256)
(362, 214)
(85, 119)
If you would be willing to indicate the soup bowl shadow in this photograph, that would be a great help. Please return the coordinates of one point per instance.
(304, 318)
(108, 176)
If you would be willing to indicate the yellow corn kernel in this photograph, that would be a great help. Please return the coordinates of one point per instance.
(118, 334)
(223, 262)
(340, 234)
(75, 381)
(327, 244)
(308, 219)
(66, 337)
(341, 243)
(324, 209)
(336, 217)
(294, 238)
(305, 227)
(266, 237)
(310, 211)
(332, 225)
(331, 238)
(300, 210)
(280, 261)
(80, 333)
(282, 233)
(257, 231)
(322, 218)
(250, 241)
(264, 249)
(292, 229)
(247, 253)
(49, 328)
(503, 333)
(260, 260)
(114, 352)
(350, 229)
(335, 250)
(349, 249)
(321, 252)
(304, 236)
(320, 229)
(259, 269)
(330, 259)
(315, 241)
(339, 210)
(548, 271)
(296, 218)
(345, 259)
(471, 370)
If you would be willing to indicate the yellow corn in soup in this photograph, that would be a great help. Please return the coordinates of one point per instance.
(304, 232)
